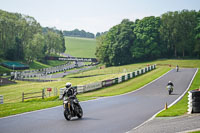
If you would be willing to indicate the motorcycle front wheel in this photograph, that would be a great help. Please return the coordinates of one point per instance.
(80, 112)
(170, 91)
(67, 115)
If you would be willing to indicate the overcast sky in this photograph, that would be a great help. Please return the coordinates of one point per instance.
(93, 15)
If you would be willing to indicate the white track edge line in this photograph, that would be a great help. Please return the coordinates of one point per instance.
(168, 106)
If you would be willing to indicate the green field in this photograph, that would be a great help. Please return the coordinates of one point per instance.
(80, 47)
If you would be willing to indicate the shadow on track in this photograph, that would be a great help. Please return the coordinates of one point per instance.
(84, 119)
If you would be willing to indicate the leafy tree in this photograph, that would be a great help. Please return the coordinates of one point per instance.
(197, 36)
(146, 46)
(168, 32)
(102, 49)
(177, 31)
(100, 33)
(78, 33)
(34, 49)
(186, 24)
(21, 37)
(174, 34)
(114, 47)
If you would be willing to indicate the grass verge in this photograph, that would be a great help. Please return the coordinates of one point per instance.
(181, 107)
(195, 132)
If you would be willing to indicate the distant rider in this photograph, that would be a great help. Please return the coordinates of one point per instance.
(170, 83)
(177, 68)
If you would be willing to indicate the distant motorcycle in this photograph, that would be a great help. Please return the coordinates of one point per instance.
(72, 108)
(177, 68)
(170, 89)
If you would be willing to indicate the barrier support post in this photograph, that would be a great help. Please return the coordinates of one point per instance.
(23, 97)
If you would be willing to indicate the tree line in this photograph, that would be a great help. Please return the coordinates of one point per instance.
(172, 35)
(23, 38)
(78, 33)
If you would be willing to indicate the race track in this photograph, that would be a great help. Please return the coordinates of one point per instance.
(118, 114)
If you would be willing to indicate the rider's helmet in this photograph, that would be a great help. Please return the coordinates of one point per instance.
(170, 81)
(68, 85)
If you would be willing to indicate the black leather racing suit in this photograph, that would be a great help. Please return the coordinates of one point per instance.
(71, 93)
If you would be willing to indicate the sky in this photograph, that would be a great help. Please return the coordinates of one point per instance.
(93, 15)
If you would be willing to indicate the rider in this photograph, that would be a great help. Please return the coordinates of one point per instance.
(170, 84)
(177, 68)
(70, 92)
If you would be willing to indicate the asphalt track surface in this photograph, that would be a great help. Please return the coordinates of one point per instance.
(117, 114)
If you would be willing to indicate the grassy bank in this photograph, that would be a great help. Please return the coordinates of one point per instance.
(182, 63)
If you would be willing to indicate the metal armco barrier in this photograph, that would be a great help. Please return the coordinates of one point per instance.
(40, 72)
(116, 80)
(106, 83)
(126, 77)
(194, 101)
(138, 72)
(109, 82)
(133, 74)
(119, 79)
(142, 71)
(61, 92)
(93, 86)
(1, 99)
(149, 68)
(80, 88)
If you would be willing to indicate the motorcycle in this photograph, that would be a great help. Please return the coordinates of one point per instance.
(177, 68)
(72, 108)
(170, 89)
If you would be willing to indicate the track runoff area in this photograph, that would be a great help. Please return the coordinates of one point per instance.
(116, 114)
